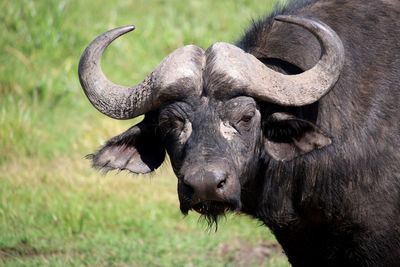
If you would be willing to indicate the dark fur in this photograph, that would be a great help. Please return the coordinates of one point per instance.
(340, 206)
(337, 205)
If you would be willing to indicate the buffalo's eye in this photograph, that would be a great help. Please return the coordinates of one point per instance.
(178, 123)
(171, 124)
(240, 112)
(245, 121)
(247, 117)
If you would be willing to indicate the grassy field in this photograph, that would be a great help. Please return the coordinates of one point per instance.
(54, 209)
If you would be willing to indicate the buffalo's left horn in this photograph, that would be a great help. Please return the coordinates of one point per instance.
(257, 80)
(177, 75)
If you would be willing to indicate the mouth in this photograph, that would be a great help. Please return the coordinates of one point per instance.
(214, 208)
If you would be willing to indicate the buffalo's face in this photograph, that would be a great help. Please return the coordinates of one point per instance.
(211, 111)
(213, 147)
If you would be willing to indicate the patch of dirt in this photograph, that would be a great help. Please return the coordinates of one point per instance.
(23, 250)
(242, 253)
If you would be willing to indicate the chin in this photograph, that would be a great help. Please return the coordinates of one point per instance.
(211, 210)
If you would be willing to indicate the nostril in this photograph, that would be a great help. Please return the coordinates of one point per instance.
(221, 184)
(187, 188)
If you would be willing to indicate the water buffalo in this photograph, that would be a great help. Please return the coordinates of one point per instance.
(296, 125)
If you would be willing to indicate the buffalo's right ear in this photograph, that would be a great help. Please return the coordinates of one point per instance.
(287, 137)
(139, 150)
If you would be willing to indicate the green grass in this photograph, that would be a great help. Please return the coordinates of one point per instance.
(55, 210)
(59, 218)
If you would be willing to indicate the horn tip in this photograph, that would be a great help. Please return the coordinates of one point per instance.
(129, 28)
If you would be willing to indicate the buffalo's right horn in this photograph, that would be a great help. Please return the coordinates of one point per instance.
(257, 80)
(178, 74)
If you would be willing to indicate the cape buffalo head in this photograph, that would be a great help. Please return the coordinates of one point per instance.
(204, 109)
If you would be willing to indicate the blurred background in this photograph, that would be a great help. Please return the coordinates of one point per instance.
(54, 209)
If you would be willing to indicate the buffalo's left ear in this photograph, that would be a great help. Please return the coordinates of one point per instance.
(287, 137)
(139, 150)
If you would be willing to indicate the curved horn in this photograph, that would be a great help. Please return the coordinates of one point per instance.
(259, 81)
(177, 74)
